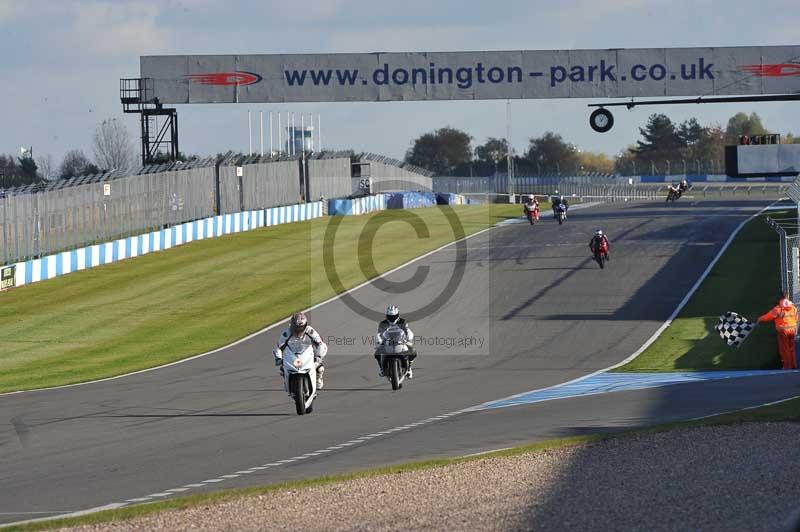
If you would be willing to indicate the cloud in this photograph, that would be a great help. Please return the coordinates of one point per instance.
(110, 29)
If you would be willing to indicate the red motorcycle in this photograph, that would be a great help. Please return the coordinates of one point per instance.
(531, 213)
(601, 253)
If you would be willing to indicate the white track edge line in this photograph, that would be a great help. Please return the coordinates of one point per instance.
(655, 335)
(261, 331)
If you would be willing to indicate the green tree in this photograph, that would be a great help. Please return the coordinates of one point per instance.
(660, 138)
(28, 169)
(493, 150)
(741, 124)
(441, 151)
(551, 154)
(709, 147)
(689, 133)
(14, 173)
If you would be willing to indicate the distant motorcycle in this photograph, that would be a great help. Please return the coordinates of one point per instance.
(601, 254)
(395, 355)
(300, 375)
(561, 213)
(674, 194)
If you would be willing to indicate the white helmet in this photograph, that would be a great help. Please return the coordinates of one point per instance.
(530, 197)
(392, 313)
(598, 232)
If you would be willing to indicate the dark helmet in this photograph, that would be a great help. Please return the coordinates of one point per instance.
(299, 323)
(392, 314)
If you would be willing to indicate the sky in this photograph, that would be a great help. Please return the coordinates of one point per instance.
(62, 61)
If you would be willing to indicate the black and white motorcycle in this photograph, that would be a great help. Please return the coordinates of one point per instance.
(395, 352)
(300, 374)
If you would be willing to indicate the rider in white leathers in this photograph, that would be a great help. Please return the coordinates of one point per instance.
(301, 330)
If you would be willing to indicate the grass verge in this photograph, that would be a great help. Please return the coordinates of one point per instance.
(744, 280)
(785, 411)
(166, 306)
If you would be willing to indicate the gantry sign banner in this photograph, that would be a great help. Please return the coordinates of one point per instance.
(518, 74)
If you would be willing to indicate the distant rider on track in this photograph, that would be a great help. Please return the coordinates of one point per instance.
(560, 200)
(599, 241)
(300, 330)
(393, 318)
(531, 208)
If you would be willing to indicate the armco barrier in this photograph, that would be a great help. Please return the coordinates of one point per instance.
(80, 259)
(356, 206)
(411, 200)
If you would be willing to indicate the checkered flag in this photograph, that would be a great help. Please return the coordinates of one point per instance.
(733, 328)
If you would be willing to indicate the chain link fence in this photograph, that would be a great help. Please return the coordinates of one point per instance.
(599, 187)
(45, 218)
(36, 224)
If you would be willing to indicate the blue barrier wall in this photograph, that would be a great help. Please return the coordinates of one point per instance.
(356, 206)
(411, 200)
(80, 259)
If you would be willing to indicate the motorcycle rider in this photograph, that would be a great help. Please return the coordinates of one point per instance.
(675, 190)
(299, 329)
(561, 200)
(599, 239)
(393, 318)
(532, 206)
(683, 186)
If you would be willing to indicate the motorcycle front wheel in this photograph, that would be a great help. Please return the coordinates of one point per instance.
(394, 372)
(300, 395)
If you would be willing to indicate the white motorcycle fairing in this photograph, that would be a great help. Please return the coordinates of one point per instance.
(297, 366)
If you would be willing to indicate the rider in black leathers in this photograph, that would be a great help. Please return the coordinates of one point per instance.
(393, 318)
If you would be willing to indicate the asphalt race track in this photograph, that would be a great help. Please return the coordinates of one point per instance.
(532, 310)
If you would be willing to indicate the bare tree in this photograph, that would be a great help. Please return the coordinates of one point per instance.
(112, 146)
(75, 163)
(47, 167)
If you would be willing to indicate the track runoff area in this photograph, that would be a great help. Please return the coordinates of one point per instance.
(530, 311)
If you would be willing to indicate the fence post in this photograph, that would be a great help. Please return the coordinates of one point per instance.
(5, 229)
(792, 274)
(216, 186)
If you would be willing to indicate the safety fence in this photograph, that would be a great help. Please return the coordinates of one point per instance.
(55, 265)
(42, 219)
(603, 188)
